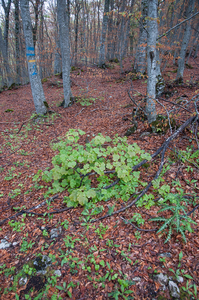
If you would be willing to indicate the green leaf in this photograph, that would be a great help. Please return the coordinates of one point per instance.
(82, 199)
(180, 256)
(102, 263)
(188, 276)
(91, 193)
(69, 294)
(128, 292)
(111, 210)
(71, 164)
(60, 288)
(114, 276)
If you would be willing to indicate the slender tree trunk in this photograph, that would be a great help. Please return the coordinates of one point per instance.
(140, 62)
(121, 42)
(110, 54)
(103, 34)
(185, 42)
(4, 43)
(8, 76)
(6, 26)
(125, 50)
(35, 81)
(17, 48)
(41, 46)
(151, 60)
(65, 49)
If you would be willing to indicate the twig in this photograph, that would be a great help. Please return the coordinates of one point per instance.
(175, 104)
(28, 210)
(80, 111)
(140, 246)
(193, 210)
(126, 221)
(49, 213)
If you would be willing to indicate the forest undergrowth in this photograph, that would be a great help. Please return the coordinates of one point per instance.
(121, 212)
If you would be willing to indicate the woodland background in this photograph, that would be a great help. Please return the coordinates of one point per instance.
(113, 215)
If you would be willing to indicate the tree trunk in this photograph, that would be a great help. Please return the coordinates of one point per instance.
(17, 48)
(110, 52)
(103, 34)
(35, 81)
(65, 49)
(6, 27)
(127, 36)
(140, 63)
(185, 41)
(8, 76)
(151, 60)
(121, 41)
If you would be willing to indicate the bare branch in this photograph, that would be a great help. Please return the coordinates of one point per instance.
(167, 32)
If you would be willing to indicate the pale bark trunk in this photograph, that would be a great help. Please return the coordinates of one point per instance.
(65, 49)
(151, 60)
(185, 42)
(35, 81)
(103, 35)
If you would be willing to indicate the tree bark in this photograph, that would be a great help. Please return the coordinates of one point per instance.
(140, 63)
(65, 49)
(151, 60)
(35, 81)
(17, 48)
(8, 77)
(103, 34)
(185, 42)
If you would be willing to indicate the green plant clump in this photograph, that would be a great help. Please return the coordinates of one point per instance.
(178, 221)
(99, 170)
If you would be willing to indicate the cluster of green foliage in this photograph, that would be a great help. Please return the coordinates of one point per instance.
(86, 171)
(102, 170)
(179, 221)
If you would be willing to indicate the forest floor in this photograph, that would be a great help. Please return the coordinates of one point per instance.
(108, 259)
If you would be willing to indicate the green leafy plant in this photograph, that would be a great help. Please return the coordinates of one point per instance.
(25, 245)
(101, 230)
(103, 161)
(17, 226)
(137, 218)
(137, 235)
(86, 101)
(122, 290)
(178, 221)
